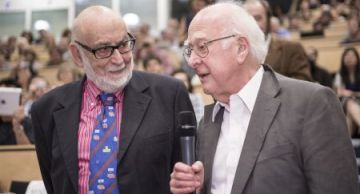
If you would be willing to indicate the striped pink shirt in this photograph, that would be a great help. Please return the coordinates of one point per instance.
(90, 108)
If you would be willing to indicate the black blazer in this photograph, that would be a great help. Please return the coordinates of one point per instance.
(148, 146)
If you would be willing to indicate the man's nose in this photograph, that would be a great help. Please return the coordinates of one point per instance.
(117, 57)
(193, 60)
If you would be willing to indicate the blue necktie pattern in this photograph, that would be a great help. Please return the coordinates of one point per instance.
(104, 149)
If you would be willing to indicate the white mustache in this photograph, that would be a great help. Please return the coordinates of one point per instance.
(116, 67)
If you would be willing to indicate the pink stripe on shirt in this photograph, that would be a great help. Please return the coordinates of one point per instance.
(90, 108)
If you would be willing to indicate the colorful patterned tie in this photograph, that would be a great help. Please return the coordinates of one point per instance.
(104, 149)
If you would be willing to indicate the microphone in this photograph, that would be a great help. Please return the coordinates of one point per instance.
(187, 129)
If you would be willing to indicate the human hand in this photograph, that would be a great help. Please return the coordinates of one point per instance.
(18, 116)
(186, 179)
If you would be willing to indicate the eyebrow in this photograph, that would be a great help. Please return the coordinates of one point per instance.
(196, 41)
(107, 43)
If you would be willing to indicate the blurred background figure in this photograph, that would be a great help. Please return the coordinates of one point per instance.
(353, 31)
(153, 64)
(347, 86)
(16, 128)
(194, 7)
(319, 74)
(196, 99)
(278, 30)
(66, 73)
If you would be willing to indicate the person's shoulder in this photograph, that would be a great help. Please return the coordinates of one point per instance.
(59, 92)
(300, 87)
(154, 79)
(286, 43)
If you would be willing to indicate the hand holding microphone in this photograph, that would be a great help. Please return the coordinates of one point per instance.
(188, 175)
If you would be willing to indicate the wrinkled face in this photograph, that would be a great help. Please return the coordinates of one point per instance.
(112, 73)
(218, 66)
(259, 13)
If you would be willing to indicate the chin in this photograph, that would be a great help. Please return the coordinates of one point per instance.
(113, 85)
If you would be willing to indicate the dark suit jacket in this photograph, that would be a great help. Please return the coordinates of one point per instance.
(288, 58)
(148, 141)
(296, 143)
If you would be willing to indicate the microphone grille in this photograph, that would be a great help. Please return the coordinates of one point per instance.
(187, 123)
(187, 118)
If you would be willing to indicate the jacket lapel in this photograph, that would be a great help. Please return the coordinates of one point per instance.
(134, 108)
(67, 121)
(266, 106)
(210, 139)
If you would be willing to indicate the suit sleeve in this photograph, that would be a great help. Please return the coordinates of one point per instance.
(328, 156)
(42, 149)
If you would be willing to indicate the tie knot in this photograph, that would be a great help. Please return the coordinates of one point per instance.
(108, 99)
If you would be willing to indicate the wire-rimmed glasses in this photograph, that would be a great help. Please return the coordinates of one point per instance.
(202, 49)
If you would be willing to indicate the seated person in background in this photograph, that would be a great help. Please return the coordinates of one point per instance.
(278, 30)
(153, 64)
(285, 57)
(38, 87)
(196, 99)
(66, 73)
(347, 86)
(16, 128)
(353, 33)
(320, 75)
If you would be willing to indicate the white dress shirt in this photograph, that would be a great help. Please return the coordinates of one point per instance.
(233, 132)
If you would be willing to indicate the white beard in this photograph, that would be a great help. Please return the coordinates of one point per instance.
(105, 83)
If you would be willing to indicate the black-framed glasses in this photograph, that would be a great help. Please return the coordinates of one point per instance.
(106, 51)
(202, 49)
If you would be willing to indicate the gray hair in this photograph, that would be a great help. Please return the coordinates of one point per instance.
(238, 21)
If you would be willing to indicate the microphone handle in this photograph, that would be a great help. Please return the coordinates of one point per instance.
(188, 149)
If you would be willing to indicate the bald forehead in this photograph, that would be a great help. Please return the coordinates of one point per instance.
(215, 15)
(97, 17)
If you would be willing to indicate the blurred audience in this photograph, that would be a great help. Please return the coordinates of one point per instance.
(153, 64)
(318, 73)
(196, 99)
(347, 86)
(16, 128)
(285, 57)
(353, 31)
(66, 73)
(194, 7)
(278, 30)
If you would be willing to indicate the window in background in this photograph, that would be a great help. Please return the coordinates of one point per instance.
(145, 9)
(12, 23)
(58, 20)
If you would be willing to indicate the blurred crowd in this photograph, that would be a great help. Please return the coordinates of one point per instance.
(23, 57)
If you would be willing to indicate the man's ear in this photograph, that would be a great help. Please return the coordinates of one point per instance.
(243, 49)
(75, 55)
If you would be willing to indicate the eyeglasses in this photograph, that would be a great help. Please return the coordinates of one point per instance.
(106, 51)
(202, 49)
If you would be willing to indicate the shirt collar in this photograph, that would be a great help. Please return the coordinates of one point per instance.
(248, 93)
(94, 92)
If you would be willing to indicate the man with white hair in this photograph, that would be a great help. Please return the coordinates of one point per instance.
(266, 133)
(115, 130)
